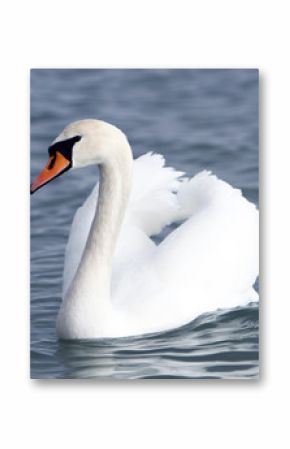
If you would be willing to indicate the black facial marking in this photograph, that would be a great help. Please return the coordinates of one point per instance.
(51, 164)
(64, 147)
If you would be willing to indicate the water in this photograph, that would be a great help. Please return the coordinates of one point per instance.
(198, 119)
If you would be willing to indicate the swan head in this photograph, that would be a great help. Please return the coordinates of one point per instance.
(81, 143)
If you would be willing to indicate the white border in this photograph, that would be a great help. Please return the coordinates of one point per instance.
(144, 34)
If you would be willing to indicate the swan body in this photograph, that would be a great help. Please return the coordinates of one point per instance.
(117, 281)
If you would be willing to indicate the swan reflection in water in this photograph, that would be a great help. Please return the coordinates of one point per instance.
(215, 345)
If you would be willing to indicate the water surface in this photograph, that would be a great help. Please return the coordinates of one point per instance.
(198, 119)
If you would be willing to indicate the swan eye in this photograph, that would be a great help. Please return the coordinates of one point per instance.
(64, 147)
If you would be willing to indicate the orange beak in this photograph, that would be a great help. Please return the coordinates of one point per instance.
(56, 165)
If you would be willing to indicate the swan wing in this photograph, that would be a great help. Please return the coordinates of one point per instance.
(211, 260)
(153, 203)
(208, 262)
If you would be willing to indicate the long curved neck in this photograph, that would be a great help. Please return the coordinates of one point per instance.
(94, 271)
(114, 189)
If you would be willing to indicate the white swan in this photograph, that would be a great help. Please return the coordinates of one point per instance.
(117, 281)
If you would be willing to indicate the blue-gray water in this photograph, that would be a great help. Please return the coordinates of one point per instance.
(198, 119)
